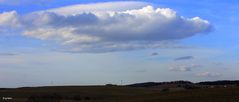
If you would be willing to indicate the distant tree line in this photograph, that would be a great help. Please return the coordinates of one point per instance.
(187, 84)
(222, 82)
(151, 84)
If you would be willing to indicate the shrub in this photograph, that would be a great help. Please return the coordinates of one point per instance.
(165, 90)
(87, 98)
(77, 98)
(44, 98)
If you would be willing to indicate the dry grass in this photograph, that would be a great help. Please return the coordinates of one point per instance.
(122, 94)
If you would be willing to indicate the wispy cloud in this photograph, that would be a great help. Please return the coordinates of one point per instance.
(7, 54)
(101, 7)
(141, 71)
(102, 30)
(184, 58)
(184, 67)
(209, 74)
(23, 2)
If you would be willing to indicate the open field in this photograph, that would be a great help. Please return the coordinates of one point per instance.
(118, 94)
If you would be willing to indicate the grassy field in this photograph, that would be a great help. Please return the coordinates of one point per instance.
(118, 94)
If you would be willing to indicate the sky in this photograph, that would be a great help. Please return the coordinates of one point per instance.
(97, 42)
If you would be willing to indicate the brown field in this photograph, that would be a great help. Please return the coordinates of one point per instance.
(118, 94)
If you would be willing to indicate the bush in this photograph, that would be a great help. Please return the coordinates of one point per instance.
(87, 98)
(190, 87)
(77, 98)
(44, 98)
(165, 90)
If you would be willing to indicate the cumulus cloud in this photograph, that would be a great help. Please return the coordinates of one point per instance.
(209, 74)
(184, 58)
(86, 30)
(8, 19)
(184, 67)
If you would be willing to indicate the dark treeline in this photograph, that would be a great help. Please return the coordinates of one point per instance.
(151, 84)
(182, 82)
(222, 82)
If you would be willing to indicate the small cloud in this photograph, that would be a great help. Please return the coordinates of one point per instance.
(209, 74)
(184, 58)
(184, 68)
(218, 63)
(154, 54)
(141, 71)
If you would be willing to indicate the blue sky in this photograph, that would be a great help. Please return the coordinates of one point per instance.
(82, 42)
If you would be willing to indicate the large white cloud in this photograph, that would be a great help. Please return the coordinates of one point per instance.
(83, 29)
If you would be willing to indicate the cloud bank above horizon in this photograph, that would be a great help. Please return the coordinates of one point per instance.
(87, 28)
